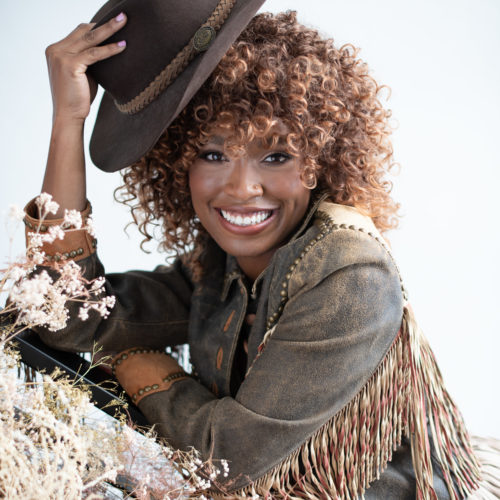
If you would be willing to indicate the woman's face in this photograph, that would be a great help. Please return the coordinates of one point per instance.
(249, 204)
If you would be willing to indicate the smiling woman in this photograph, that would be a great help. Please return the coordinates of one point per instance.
(262, 156)
(250, 203)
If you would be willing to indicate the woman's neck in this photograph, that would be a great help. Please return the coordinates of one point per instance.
(253, 266)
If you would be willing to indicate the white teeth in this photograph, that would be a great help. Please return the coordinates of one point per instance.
(247, 220)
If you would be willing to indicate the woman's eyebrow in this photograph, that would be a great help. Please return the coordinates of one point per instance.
(281, 142)
(217, 140)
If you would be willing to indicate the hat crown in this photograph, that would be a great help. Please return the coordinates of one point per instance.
(164, 65)
(156, 31)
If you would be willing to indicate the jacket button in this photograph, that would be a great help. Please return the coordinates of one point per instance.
(218, 364)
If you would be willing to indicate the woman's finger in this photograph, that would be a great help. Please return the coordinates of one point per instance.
(89, 37)
(94, 54)
(73, 36)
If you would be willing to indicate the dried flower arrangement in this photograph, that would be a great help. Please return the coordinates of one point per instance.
(48, 444)
(36, 297)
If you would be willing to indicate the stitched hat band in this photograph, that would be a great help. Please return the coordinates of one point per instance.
(198, 43)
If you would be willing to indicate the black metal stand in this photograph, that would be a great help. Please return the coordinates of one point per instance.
(37, 355)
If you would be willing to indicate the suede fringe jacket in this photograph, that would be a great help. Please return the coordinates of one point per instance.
(339, 392)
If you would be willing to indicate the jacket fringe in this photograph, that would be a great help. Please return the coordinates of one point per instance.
(487, 451)
(405, 396)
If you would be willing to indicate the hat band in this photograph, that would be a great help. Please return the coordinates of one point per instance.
(198, 43)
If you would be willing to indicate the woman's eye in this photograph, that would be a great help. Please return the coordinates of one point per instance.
(211, 156)
(277, 158)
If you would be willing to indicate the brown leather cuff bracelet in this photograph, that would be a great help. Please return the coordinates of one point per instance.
(143, 371)
(76, 245)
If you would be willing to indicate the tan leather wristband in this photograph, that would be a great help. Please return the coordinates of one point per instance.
(76, 245)
(143, 371)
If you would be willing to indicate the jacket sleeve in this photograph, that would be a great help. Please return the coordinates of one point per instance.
(151, 310)
(156, 302)
(341, 318)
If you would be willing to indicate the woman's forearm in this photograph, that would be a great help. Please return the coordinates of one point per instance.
(65, 172)
(72, 94)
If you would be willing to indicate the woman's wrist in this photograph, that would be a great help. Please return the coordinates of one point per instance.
(66, 122)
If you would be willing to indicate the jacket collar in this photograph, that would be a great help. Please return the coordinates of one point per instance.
(233, 271)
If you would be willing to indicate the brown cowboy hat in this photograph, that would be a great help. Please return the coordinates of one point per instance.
(172, 47)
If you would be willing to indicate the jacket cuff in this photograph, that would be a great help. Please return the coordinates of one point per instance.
(76, 245)
(143, 371)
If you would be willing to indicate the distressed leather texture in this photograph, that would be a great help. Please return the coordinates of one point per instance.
(342, 312)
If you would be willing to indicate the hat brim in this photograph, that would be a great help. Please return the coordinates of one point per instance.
(120, 139)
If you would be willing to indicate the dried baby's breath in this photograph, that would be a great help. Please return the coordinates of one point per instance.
(39, 297)
(49, 447)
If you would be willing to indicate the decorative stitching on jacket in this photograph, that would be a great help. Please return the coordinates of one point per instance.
(326, 226)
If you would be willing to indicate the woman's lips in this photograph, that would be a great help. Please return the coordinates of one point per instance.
(246, 221)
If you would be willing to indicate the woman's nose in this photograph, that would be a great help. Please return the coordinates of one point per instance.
(243, 181)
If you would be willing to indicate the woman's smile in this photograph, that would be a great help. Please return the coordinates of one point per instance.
(246, 218)
(251, 203)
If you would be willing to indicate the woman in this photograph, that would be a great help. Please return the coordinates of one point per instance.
(311, 376)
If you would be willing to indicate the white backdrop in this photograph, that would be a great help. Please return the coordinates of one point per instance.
(441, 59)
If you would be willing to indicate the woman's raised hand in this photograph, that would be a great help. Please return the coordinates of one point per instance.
(72, 94)
(72, 89)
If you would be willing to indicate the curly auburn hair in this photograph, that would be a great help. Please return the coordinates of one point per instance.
(276, 70)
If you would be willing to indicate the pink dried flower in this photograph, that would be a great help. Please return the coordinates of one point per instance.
(16, 213)
(90, 227)
(46, 204)
(97, 285)
(31, 292)
(83, 313)
(36, 240)
(72, 218)
(16, 272)
(37, 258)
(41, 300)
(56, 232)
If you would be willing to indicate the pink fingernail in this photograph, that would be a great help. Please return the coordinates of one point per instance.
(120, 17)
(123, 43)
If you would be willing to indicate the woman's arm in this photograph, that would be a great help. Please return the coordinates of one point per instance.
(151, 310)
(72, 94)
(156, 303)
